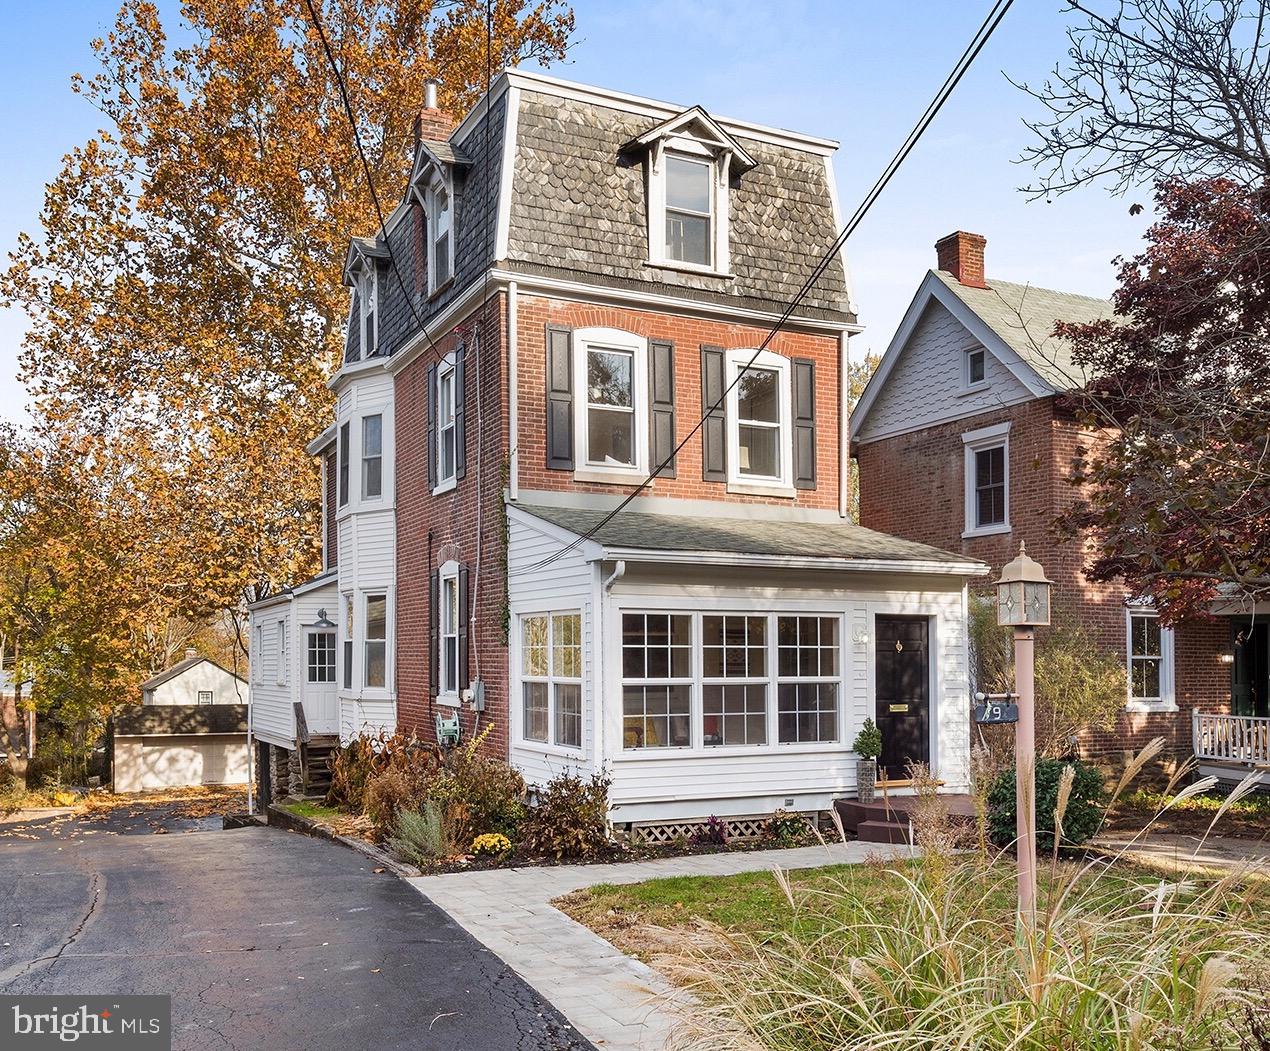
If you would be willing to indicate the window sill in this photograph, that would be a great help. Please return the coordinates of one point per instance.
(785, 492)
(636, 755)
(448, 700)
(995, 530)
(1152, 707)
(609, 476)
(688, 268)
(444, 286)
(543, 748)
(447, 486)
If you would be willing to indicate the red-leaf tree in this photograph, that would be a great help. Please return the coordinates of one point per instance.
(1176, 490)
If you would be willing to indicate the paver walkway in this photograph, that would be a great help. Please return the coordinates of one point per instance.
(617, 1002)
(1184, 852)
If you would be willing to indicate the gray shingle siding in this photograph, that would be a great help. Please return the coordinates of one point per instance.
(579, 210)
(353, 334)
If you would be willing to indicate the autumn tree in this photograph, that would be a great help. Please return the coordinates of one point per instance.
(858, 375)
(1156, 89)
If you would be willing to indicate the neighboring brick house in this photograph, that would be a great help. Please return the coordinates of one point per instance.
(573, 278)
(962, 441)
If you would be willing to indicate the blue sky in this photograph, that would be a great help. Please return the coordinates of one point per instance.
(852, 70)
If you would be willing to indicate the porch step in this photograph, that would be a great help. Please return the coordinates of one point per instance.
(881, 832)
(317, 774)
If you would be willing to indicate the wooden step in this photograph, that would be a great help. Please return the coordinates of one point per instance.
(881, 832)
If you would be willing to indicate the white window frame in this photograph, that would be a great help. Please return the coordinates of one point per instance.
(1167, 701)
(720, 166)
(448, 693)
(697, 681)
(969, 385)
(448, 368)
(552, 679)
(347, 656)
(258, 658)
(584, 341)
(209, 694)
(366, 640)
(368, 284)
(781, 485)
(309, 652)
(981, 440)
(280, 672)
(431, 198)
(365, 457)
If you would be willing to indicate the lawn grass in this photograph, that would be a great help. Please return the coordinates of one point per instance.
(313, 810)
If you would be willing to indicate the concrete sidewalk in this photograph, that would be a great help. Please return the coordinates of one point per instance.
(615, 1001)
(1176, 852)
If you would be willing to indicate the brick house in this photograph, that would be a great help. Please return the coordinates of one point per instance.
(572, 279)
(962, 441)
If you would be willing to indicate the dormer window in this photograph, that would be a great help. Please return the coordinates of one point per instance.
(692, 161)
(369, 292)
(439, 226)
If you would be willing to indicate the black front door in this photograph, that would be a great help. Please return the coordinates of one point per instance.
(903, 693)
(1250, 675)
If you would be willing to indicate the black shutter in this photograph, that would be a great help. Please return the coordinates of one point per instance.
(460, 417)
(559, 399)
(661, 399)
(804, 380)
(464, 682)
(434, 631)
(431, 454)
(714, 431)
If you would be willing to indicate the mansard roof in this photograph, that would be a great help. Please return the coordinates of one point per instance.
(698, 124)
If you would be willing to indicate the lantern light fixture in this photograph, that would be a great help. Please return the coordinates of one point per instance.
(1023, 593)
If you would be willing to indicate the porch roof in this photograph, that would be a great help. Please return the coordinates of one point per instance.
(772, 539)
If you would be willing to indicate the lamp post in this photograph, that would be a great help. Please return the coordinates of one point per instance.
(1023, 603)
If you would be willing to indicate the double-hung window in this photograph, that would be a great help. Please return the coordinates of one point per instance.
(370, 310)
(689, 210)
(610, 372)
(375, 669)
(975, 366)
(734, 680)
(372, 457)
(321, 657)
(657, 680)
(448, 636)
(447, 424)
(760, 444)
(283, 656)
(806, 679)
(551, 678)
(348, 642)
(440, 223)
(344, 455)
(987, 472)
(1150, 661)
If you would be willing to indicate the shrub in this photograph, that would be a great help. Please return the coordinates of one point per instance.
(491, 845)
(421, 836)
(786, 829)
(1080, 820)
(407, 772)
(714, 833)
(570, 820)
(478, 794)
(868, 742)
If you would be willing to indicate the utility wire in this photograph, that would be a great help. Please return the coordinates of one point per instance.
(316, 20)
(976, 45)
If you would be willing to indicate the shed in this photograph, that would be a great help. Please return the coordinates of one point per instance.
(176, 745)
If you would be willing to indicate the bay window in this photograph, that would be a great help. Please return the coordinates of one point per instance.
(372, 457)
(375, 669)
(551, 678)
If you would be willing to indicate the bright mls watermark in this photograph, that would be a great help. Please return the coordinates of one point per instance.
(103, 1023)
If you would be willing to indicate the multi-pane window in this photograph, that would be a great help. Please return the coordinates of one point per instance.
(447, 427)
(551, 678)
(441, 230)
(376, 667)
(990, 486)
(449, 634)
(370, 311)
(372, 456)
(807, 679)
(344, 454)
(734, 680)
(205, 696)
(610, 407)
(758, 407)
(689, 219)
(656, 680)
(321, 657)
(975, 367)
(1150, 659)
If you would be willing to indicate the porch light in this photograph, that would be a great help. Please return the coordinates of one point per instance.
(1226, 658)
(323, 621)
(1023, 593)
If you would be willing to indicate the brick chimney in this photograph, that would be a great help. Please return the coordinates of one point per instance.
(190, 653)
(961, 254)
(432, 122)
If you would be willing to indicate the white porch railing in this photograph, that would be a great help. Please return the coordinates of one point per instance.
(1231, 738)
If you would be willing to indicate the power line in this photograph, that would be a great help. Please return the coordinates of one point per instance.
(316, 21)
(976, 45)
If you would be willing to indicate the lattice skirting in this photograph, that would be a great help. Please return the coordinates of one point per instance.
(668, 831)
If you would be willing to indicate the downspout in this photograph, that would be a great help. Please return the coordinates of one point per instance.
(513, 401)
(619, 571)
(844, 430)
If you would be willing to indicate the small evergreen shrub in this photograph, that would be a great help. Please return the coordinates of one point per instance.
(570, 820)
(1084, 807)
(868, 742)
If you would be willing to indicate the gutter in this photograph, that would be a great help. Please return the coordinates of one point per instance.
(860, 565)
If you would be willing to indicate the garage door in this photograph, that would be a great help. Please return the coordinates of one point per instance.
(149, 762)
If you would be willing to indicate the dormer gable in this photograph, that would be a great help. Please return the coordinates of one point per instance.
(362, 273)
(694, 127)
(436, 182)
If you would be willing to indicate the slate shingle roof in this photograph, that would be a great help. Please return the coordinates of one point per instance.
(645, 531)
(1023, 316)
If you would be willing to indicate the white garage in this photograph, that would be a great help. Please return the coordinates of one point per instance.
(174, 746)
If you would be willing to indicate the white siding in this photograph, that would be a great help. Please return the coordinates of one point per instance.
(226, 688)
(566, 584)
(150, 762)
(925, 385)
(272, 717)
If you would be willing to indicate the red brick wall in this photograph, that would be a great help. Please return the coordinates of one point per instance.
(688, 334)
(913, 485)
(433, 529)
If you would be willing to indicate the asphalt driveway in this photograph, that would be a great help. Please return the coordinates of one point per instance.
(263, 938)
